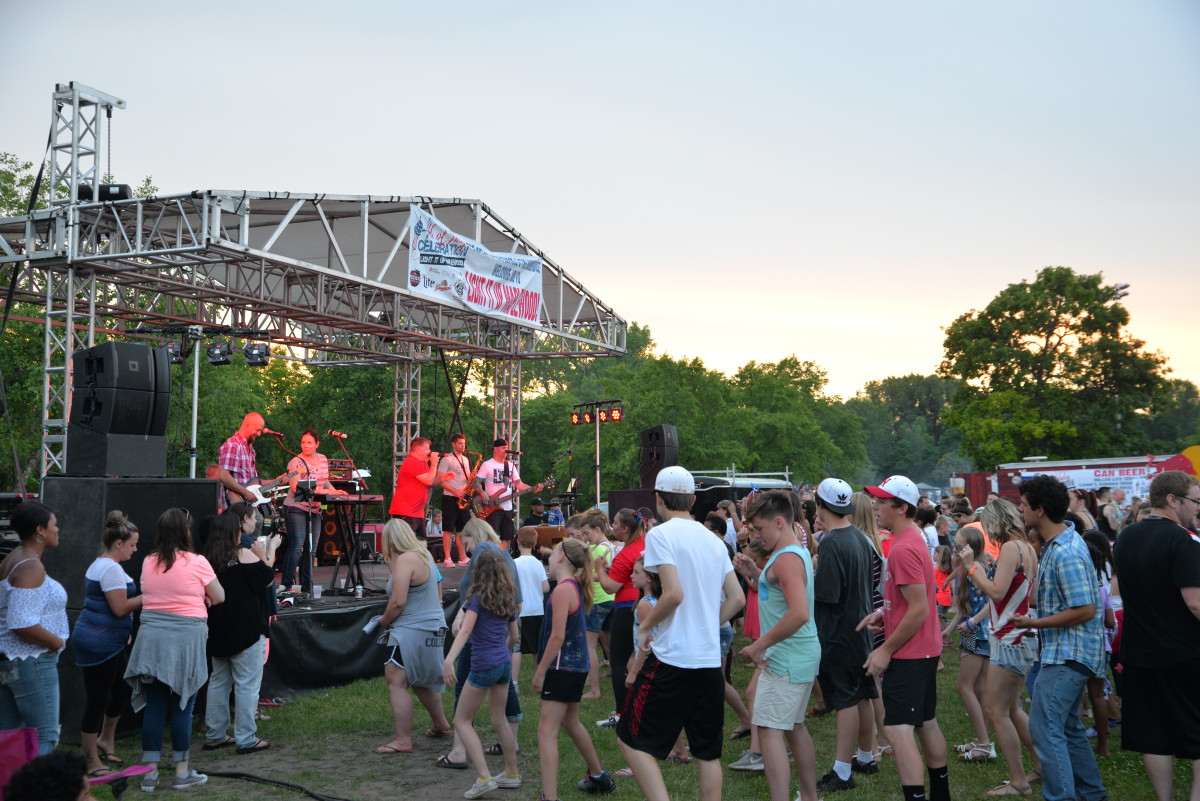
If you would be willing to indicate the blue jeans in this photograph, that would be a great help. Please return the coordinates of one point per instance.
(297, 544)
(160, 702)
(1069, 770)
(29, 697)
(243, 674)
(462, 668)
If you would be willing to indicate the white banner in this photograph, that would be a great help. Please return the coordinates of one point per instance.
(1134, 479)
(462, 272)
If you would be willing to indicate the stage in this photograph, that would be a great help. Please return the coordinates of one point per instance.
(319, 642)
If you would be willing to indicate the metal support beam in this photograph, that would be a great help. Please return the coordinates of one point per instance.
(406, 412)
(70, 305)
(506, 418)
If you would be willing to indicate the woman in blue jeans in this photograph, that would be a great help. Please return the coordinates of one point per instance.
(33, 628)
(167, 666)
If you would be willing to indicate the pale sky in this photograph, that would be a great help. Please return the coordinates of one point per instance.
(834, 180)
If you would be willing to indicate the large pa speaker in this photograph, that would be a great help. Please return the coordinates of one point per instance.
(80, 506)
(121, 388)
(92, 453)
(660, 448)
(631, 499)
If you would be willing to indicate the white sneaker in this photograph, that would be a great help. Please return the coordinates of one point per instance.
(609, 722)
(448, 564)
(480, 787)
(748, 761)
(507, 782)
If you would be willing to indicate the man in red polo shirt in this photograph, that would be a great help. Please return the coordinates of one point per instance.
(417, 474)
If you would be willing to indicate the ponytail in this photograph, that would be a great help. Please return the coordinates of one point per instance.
(580, 558)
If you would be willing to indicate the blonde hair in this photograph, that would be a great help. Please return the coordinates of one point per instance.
(493, 584)
(1002, 522)
(594, 518)
(398, 538)
(480, 531)
(863, 519)
(580, 557)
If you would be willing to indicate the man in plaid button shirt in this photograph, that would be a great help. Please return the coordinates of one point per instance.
(236, 461)
(1071, 630)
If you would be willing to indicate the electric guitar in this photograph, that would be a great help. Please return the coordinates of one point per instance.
(258, 489)
(492, 504)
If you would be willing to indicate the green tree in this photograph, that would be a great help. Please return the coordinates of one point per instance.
(1048, 369)
(903, 420)
(1175, 423)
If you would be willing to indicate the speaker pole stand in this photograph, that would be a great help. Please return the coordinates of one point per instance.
(194, 335)
(597, 422)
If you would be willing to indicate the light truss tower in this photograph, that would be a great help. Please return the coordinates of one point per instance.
(406, 412)
(70, 325)
(75, 140)
(506, 417)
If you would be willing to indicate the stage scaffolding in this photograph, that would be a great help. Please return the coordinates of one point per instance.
(326, 275)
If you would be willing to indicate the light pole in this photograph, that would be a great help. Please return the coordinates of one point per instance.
(597, 412)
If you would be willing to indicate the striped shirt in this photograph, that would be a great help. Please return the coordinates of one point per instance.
(1067, 579)
(1014, 602)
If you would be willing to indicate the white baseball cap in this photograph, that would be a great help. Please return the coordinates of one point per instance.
(900, 487)
(835, 494)
(675, 479)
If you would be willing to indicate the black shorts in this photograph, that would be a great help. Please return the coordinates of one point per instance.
(664, 700)
(417, 524)
(910, 692)
(1161, 710)
(564, 686)
(393, 657)
(531, 632)
(453, 518)
(843, 686)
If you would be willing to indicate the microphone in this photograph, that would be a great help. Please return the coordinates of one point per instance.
(514, 453)
(337, 434)
(272, 433)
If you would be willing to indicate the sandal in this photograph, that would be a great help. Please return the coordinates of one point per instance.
(1033, 777)
(432, 732)
(624, 773)
(259, 745)
(96, 773)
(444, 761)
(979, 752)
(1008, 788)
(739, 734)
(259, 715)
(111, 758)
(391, 749)
(684, 760)
(882, 751)
(497, 750)
(816, 712)
(213, 745)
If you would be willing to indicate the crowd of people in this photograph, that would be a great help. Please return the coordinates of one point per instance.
(846, 601)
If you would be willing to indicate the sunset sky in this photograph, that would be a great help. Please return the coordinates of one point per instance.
(834, 180)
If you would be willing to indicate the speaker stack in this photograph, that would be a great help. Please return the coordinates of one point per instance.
(121, 393)
(660, 448)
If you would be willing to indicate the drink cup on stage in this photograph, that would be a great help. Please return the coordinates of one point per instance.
(317, 588)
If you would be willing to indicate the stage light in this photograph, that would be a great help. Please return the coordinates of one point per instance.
(218, 353)
(617, 414)
(575, 418)
(588, 418)
(175, 353)
(603, 415)
(257, 354)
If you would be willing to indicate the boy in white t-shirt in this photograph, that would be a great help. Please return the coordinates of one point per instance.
(531, 573)
(680, 686)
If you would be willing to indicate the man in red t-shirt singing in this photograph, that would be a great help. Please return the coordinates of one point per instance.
(417, 474)
(908, 657)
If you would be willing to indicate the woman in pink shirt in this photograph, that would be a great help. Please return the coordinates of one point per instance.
(168, 665)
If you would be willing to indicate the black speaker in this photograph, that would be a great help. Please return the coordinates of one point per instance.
(631, 499)
(80, 506)
(660, 448)
(330, 539)
(92, 453)
(121, 388)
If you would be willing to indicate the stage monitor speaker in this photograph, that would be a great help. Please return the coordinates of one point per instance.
(331, 541)
(660, 448)
(121, 388)
(93, 453)
(82, 503)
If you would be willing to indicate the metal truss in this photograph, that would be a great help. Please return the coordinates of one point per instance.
(70, 324)
(506, 415)
(406, 412)
(75, 140)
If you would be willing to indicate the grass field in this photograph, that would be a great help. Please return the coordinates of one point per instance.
(324, 742)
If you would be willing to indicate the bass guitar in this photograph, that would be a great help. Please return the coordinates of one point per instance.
(258, 489)
(492, 504)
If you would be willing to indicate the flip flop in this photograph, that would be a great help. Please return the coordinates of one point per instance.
(435, 733)
(624, 773)
(111, 758)
(224, 742)
(391, 749)
(444, 761)
(123, 775)
(739, 734)
(680, 760)
(497, 750)
(96, 773)
(259, 745)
